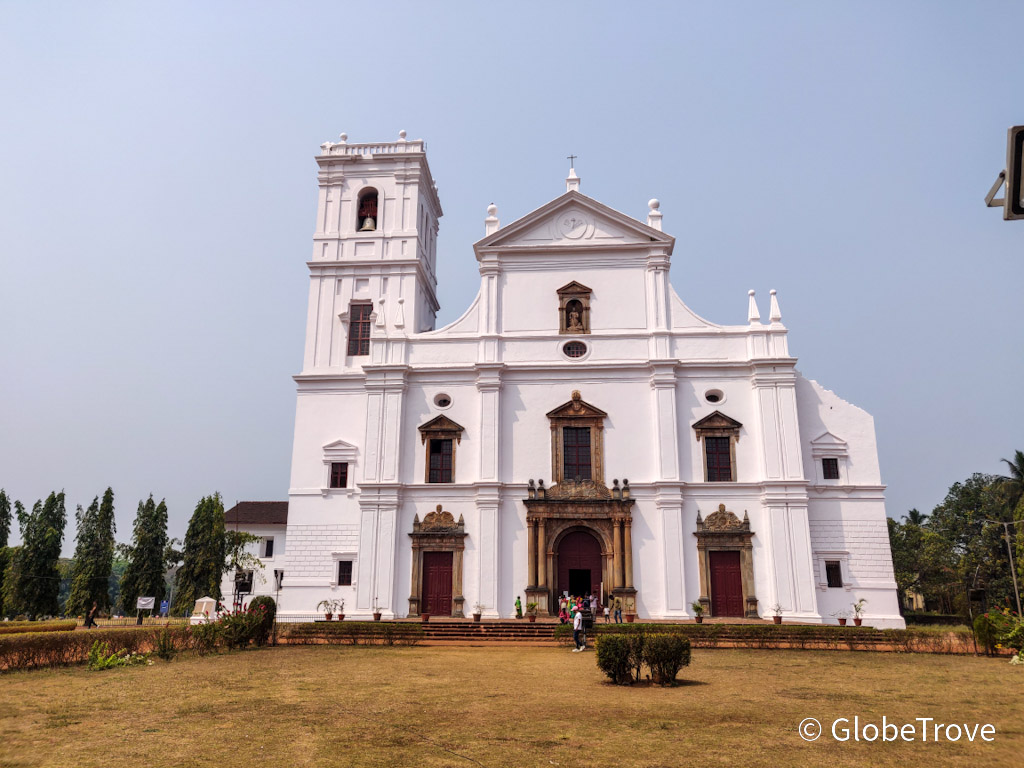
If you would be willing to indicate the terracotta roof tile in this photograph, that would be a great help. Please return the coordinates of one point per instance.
(257, 513)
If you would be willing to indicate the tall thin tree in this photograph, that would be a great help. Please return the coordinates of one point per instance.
(5, 532)
(94, 557)
(144, 576)
(204, 555)
(33, 571)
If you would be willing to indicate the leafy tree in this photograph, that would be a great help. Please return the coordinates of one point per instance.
(204, 555)
(32, 582)
(94, 556)
(144, 575)
(5, 532)
(1012, 485)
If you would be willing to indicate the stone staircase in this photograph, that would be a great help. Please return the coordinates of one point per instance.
(468, 632)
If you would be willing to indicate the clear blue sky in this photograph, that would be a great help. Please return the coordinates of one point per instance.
(157, 201)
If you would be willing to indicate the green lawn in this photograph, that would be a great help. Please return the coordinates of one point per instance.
(504, 706)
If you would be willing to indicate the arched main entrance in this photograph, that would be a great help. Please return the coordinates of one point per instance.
(579, 563)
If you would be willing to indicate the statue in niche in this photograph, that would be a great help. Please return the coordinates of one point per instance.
(574, 317)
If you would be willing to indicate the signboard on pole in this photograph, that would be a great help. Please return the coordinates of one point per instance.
(163, 607)
(146, 603)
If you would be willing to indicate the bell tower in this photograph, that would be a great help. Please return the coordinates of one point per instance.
(374, 249)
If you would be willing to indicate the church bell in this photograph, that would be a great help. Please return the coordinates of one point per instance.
(369, 225)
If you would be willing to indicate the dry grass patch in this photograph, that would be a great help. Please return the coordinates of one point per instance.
(506, 706)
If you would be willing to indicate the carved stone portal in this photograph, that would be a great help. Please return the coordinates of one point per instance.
(722, 531)
(439, 532)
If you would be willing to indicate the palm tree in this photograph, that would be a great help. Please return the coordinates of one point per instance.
(1013, 484)
(914, 517)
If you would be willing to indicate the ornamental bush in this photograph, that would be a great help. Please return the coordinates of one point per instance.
(57, 649)
(623, 656)
(665, 655)
(353, 633)
(266, 608)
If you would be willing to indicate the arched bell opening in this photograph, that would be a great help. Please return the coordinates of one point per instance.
(367, 219)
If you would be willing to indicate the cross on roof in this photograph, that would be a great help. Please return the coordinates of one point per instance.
(571, 159)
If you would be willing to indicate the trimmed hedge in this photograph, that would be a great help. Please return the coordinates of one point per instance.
(798, 636)
(352, 633)
(622, 656)
(58, 649)
(20, 627)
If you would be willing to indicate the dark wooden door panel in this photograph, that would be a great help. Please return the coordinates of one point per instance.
(726, 584)
(437, 583)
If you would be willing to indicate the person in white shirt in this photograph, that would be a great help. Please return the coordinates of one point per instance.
(577, 632)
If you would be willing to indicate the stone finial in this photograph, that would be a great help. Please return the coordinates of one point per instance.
(491, 223)
(381, 322)
(753, 316)
(776, 314)
(654, 216)
(572, 182)
(343, 137)
(401, 135)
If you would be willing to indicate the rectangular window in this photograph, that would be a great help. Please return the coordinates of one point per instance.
(576, 453)
(278, 578)
(719, 459)
(268, 546)
(834, 573)
(339, 474)
(359, 328)
(440, 461)
(344, 573)
(830, 469)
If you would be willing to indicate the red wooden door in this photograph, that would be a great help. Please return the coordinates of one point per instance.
(437, 583)
(726, 584)
(578, 551)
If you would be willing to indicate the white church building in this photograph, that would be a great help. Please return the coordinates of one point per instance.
(578, 429)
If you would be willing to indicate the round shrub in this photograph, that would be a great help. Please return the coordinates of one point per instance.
(265, 605)
(665, 655)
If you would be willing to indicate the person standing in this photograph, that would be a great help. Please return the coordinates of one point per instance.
(90, 616)
(618, 610)
(519, 608)
(577, 631)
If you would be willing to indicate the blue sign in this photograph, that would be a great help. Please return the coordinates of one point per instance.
(163, 607)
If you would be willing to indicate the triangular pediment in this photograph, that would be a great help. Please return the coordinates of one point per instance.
(573, 220)
(573, 289)
(340, 450)
(828, 440)
(441, 424)
(717, 420)
(576, 408)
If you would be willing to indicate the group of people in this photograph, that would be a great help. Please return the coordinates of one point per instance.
(569, 607)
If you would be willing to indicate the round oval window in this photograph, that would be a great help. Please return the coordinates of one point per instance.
(575, 349)
(714, 396)
(442, 400)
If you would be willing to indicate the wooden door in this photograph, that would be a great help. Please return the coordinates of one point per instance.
(437, 583)
(726, 584)
(579, 563)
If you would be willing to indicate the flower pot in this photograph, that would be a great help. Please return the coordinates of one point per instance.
(532, 617)
(341, 617)
(425, 617)
(777, 619)
(699, 619)
(376, 616)
(857, 622)
(630, 617)
(842, 622)
(476, 617)
(329, 616)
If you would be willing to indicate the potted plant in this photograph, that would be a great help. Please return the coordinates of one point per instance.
(478, 610)
(698, 611)
(858, 611)
(376, 610)
(339, 608)
(531, 611)
(841, 615)
(777, 618)
(327, 606)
